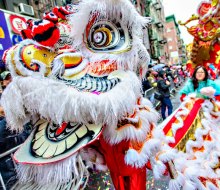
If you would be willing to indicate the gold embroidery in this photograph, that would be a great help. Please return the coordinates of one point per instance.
(181, 146)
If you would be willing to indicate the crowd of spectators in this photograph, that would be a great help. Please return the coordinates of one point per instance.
(163, 81)
(176, 74)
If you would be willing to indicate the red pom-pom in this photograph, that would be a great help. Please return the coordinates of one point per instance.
(51, 17)
(26, 34)
(182, 97)
(45, 32)
(217, 97)
(30, 23)
(61, 12)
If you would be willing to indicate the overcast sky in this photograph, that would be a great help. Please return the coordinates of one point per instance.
(182, 9)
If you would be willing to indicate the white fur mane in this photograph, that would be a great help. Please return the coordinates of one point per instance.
(58, 102)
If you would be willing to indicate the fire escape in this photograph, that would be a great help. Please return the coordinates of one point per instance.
(42, 6)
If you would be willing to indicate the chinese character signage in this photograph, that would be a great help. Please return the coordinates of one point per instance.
(17, 23)
(5, 41)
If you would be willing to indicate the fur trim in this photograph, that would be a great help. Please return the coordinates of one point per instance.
(167, 154)
(159, 169)
(16, 117)
(194, 164)
(189, 185)
(69, 172)
(211, 186)
(135, 159)
(139, 159)
(146, 116)
(124, 12)
(57, 102)
(177, 183)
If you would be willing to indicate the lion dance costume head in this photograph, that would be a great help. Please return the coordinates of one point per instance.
(75, 78)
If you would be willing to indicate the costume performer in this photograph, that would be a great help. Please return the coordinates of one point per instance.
(198, 84)
(193, 129)
(74, 77)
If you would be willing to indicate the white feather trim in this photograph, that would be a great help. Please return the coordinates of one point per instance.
(189, 185)
(70, 171)
(147, 118)
(139, 159)
(16, 116)
(135, 159)
(159, 169)
(57, 102)
(211, 186)
(168, 155)
(177, 183)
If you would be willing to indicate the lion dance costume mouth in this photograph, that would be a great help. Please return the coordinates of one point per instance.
(76, 76)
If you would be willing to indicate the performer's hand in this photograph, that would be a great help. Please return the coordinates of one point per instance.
(208, 91)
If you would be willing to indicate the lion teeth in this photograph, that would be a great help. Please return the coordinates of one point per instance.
(71, 140)
(98, 84)
(81, 132)
(39, 134)
(50, 151)
(38, 142)
(40, 151)
(60, 148)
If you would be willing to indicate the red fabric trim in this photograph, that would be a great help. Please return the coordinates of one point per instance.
(182, 97)
(217, 97)
(169, 124)
(187, 122)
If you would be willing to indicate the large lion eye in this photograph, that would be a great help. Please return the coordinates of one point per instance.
(102, 37)
(107, 36)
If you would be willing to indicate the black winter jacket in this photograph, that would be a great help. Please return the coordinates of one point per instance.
(163, 88)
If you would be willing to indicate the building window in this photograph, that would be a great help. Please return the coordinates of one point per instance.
(170, 47)
(169, 39)
(168, 30)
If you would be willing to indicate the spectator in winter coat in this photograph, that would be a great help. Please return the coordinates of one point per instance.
(163, 87)
(198, 83)
(145, 83)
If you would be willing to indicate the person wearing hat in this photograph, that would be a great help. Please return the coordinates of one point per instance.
(6, 79)
(163, 86)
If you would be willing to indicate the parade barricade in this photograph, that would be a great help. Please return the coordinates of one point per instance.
(4, 154)
(149, 94)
